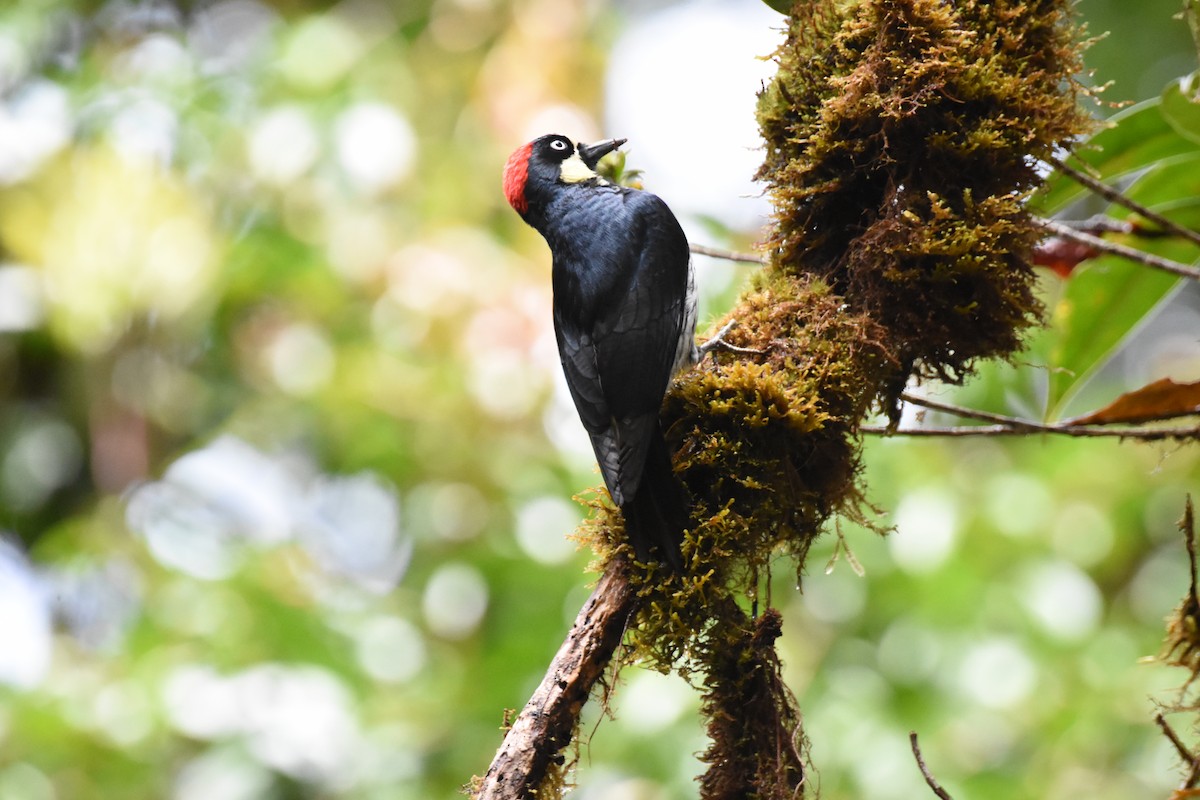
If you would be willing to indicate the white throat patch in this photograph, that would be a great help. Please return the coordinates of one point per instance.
(575, 171)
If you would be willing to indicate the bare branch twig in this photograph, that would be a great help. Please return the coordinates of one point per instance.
(1144, 434)
(1180, 747)
(970, 413)
(1188, 526)
(1114, 196)
(1014, 426)
(1185, 755)
(547, 723)
(728, 255)
(1130, 253)
(1101, 224)
(929, 779)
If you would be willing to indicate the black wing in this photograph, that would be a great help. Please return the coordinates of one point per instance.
(620, 292)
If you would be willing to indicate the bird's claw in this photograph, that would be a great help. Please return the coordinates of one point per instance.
(718, 341)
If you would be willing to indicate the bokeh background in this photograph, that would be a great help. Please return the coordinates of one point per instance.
(287, 465)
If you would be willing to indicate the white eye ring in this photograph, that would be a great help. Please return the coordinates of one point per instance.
(558, 144)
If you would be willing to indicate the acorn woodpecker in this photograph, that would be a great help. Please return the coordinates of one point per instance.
(624, 317)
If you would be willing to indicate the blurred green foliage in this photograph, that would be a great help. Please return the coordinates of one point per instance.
(281, 452)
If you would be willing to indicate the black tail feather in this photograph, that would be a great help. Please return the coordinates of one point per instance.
(658, 513)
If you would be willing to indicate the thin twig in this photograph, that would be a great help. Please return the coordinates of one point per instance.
(1014, 426)
(1180, 747)
(728, 255)
(1185, 755)
(970, 413)
(1101, 224)
(1130, 253)
(1078, 431)
(1193, 777)
(1188, 526)
(929, 779)
(547, 723)
(1114, 196)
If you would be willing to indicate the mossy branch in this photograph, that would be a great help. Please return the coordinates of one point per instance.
(1182, 649)
(528, 761)
(902, 138)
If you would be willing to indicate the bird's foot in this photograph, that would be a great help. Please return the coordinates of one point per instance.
(718, 342)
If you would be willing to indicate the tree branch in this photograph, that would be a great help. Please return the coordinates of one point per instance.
(1101, 224)
(1130, 253)
(1180, 748)
(970, 413)
(728, 255)
(547, 723)
(1014, 426)
(929, 779)
(1185, 755)
(1114, 196)
(1078, 431)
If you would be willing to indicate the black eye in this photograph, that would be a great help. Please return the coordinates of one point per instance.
(558, 144)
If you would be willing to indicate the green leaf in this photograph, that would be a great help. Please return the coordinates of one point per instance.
(1136, 138)
(1105, 303)
(1180, 109)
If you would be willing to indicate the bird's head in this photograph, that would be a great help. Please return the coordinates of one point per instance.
(549, 160)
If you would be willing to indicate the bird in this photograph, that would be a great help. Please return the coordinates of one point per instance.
(624, 313)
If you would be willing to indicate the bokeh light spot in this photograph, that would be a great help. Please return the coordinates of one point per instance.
(223, 773)
(1082, 534)
(352, 525)
(35, 123)
(909, 652)
(542, 527)
(651, 701)
(283, 145)
(376, 146)
(1062, 599)
(391, 649)
(997, 673)
(22, 305)
(319, 51)
(301, 359)
(44, 455)
(24, 622)
(836, 596)
(1017, 504)
(926, 527)
(24, 781)
(455, 600)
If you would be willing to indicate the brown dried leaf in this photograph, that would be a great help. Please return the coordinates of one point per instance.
(1162, 399)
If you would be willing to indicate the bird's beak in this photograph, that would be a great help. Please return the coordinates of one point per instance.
(592, 153)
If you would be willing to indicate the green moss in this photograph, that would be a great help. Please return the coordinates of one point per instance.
(765, 758)
(899, 152)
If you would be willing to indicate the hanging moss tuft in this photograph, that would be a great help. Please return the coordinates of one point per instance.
(766, 757)
(769, 439)
(902, 138)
